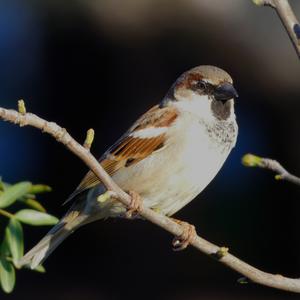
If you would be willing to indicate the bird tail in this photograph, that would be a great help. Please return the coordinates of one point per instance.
(67, 225)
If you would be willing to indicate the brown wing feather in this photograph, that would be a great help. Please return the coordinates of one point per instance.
(130, 150)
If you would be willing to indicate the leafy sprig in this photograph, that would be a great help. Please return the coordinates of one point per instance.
(33, 213)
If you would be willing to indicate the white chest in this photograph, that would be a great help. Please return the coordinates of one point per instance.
(171, 177)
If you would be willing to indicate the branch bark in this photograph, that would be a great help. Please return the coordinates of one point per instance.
(287, 18)
(61, 135)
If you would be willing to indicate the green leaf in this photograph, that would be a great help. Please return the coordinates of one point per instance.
(1, 185)
(7, 275)
(4, 249)
(34, 204)
(5, 185)
(36, 218)
(12, 193)
(39, 188)
(14, 236)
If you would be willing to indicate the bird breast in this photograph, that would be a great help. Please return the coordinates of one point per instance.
(192, 155)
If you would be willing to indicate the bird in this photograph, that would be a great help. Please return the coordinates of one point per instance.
(164, 160)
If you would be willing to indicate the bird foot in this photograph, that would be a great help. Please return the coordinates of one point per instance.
(188, 235)
(135, 205)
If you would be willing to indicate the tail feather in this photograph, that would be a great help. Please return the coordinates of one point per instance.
(52, 240)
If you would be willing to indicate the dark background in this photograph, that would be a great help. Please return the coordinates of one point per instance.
(101, 64)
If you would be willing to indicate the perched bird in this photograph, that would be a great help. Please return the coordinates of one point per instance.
(168, 156)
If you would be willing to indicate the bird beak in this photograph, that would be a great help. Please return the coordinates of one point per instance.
(225, 91)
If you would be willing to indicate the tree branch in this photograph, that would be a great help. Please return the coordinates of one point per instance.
(287, 18)
(250, 160)
(221, 253)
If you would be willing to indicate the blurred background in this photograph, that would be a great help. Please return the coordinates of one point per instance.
(100, 64)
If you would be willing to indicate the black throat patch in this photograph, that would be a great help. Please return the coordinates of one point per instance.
(221, 110)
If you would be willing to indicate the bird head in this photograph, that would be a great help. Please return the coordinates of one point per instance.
(205, 90)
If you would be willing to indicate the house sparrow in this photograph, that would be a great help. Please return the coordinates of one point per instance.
(168, 156)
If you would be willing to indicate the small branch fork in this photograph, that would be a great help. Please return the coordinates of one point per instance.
(22, 118)
(287, 18)
(250, 160)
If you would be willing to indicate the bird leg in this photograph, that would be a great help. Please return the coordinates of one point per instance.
(135, 205)
(188, 235)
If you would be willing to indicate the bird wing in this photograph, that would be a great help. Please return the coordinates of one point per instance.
(146, 136)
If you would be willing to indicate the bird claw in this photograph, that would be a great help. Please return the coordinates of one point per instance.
(135, 205)
(188, 236)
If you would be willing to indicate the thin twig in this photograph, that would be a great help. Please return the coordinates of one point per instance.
(287, 18)
(61, 135)
(250, 160)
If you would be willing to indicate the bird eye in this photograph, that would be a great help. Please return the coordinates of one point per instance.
(201, 85)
